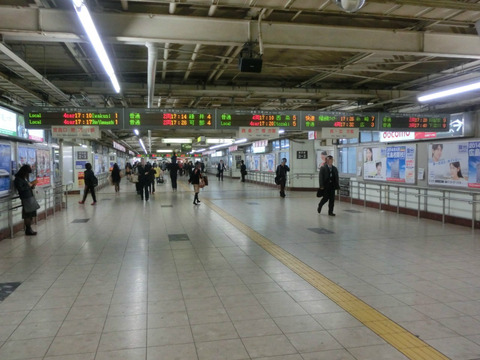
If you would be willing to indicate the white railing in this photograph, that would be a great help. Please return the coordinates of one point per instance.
(11, 206)
(443, 202)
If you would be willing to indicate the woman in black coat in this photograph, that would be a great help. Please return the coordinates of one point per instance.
(116, 177)
(25, 191)
(195, 181)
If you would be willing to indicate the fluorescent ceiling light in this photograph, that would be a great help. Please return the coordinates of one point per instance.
(90, 29)
(217, 146)
(176, 141)
(281, 131)
(240, 141)
(136, 132)
(143, 146)
(218, 141)
(164, 151)
(448, 91)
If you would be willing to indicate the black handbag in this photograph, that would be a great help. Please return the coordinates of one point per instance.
(320, 192)
(30, 204)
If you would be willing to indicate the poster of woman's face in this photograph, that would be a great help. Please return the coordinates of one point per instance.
(448, 164)
(322, 156)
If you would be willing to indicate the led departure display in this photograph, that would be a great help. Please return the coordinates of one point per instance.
(415, 122)
(257, 118)
(317, 120)
(170, 118)
(46, 117)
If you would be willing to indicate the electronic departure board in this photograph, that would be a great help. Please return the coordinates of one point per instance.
(44, 118)
(415, 122)
(170, 118)
(257, 118)
(318, 119)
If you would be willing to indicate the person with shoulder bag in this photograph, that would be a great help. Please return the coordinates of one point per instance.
(220, 169)
(197, 182)
(281, 176)
(329, 182)
(90, 182)
(243, 170)
(25, 192)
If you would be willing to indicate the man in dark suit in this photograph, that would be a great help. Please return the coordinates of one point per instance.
(328, 183)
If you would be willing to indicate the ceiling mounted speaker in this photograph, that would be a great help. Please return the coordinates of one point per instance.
(350, 5)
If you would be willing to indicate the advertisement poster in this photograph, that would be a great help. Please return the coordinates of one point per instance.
(391, 164)
(5, 180)
(321, 156)
(8, 122)
(28, 156)
(448, 164)
(97, 163)
(401, 164)
(256, 162)
(268, 162)
(474, 164)
(81, 178)
(375, 164)
(43, 167)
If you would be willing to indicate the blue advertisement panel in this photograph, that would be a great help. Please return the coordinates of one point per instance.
(5, 161)
(474, 164)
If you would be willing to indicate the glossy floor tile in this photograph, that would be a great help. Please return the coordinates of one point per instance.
(244, 275)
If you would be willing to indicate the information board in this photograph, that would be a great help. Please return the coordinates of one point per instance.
(170, 118)
(318, 119)
(236, 118)
(415, 122)
(44, 118)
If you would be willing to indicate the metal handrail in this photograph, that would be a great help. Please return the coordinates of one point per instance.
(420, 193)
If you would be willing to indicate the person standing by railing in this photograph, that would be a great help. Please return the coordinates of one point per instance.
(25, 192)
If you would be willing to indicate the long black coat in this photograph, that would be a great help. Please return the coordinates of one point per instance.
(324, 178)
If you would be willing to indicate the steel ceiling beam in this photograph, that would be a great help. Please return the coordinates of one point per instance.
(56, 25)
(12, 61)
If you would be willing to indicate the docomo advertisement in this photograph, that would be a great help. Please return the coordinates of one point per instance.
(394, 136)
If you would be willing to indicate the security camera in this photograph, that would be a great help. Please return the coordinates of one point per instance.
(350, 5)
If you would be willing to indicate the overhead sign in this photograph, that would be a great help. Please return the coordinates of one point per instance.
(77, 132)
(43, 118)
(258, 132)
(317, 120)
(414, 122)
(236, 118)
(340, 133)
(170, 118)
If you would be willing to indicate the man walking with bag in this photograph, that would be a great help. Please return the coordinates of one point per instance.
(329, 182)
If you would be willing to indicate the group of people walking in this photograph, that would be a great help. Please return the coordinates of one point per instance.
(147, 174)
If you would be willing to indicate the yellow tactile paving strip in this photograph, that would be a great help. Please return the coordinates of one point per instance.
(401, 339)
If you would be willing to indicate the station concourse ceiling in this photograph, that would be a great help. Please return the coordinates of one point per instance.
(184, 54)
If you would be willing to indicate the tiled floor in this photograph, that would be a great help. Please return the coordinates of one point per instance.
(165, 280)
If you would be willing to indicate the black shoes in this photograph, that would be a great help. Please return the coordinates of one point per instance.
(319, 208)
(29, 231)
(331, 214)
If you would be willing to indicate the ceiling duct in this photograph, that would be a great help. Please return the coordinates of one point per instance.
(152, 69)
